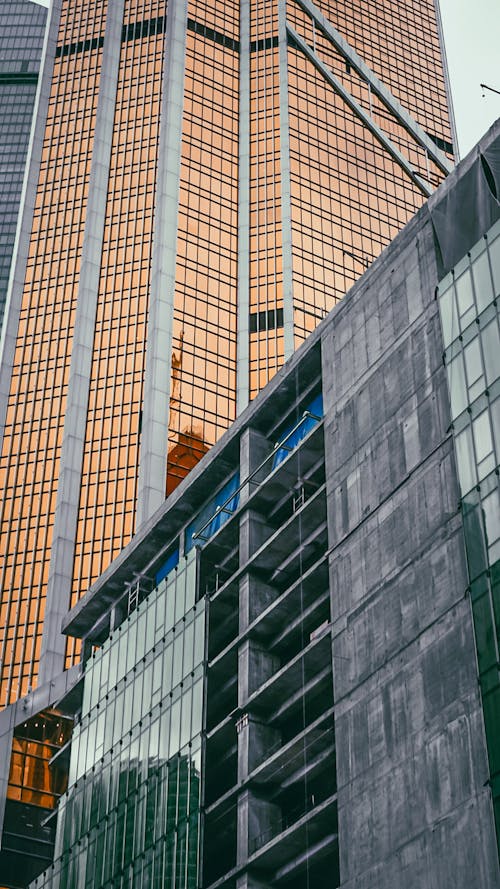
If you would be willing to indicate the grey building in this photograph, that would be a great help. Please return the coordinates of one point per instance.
(22, 29)
(290, 675)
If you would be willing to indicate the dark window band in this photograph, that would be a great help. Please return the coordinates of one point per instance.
(269, 319)
(216, 36)
(135, 31)
(140, 30)
(20, 78)
(443, 144)
(265, 43)
(69, 49)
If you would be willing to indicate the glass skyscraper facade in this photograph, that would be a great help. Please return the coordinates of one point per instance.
(193, 698)
(468, 301)
(279, 677)
(279, 684)
(206, 182)
(137, 821)
(22, 29)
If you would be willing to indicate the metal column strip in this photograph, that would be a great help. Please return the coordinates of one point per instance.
(157, 382)
(403, 116)
(359, 111)
(243, 345)
(286, 219)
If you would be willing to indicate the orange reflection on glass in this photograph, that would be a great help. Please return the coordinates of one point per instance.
(29, 463)
(111, 450)
(348, 197)
(202, 403)
(31, 777)
(266, 272)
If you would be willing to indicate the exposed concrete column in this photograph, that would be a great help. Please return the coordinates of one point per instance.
(256, 816)
(157, 381)
(254, 448)
(254, 531)
(257, 819)
(255, 666)
(254, 597)
(118, 613)
(53, 648)
(255, 740)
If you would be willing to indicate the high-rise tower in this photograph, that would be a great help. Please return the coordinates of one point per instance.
(206, 182)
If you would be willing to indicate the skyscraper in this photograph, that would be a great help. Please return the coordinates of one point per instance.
(22, 28)
(280, 681)
(205, 184)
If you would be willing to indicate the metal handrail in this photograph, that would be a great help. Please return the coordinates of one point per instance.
(279, 444)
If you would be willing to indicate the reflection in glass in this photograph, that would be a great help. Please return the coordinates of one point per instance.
(31, 778)
(465, 459)
(482, 281)
(490, 339)
(449, 316)
(474, 369)
(456, 377)
(478, 454)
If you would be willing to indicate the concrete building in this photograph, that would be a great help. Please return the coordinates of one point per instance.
(206, 182)
(280, 679)
(22, 29)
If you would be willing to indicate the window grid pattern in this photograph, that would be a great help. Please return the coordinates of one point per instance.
(369, 101)
(348, 197)
(22, 28)
(202, 403)
(266, 346)
(470, 319)
(111, 451)
(400, 43)
(29, 463)
(136, 823)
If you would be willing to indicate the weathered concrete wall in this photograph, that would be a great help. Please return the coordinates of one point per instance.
(411, 759)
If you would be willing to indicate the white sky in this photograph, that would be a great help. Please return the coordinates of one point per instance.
(472, 37)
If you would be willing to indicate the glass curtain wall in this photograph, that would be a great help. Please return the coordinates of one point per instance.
(203, 378)
(29, 460)
(468, 303)
(131, 814)
(106, 516)
(349, 198)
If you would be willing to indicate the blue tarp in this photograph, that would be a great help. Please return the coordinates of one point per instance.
(316, 408)
(219, 519)
(168, 566)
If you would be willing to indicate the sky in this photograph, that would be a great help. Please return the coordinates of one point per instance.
(472, 38)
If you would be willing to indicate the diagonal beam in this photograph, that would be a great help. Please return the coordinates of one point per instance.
(390, 102)
(360, 112)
